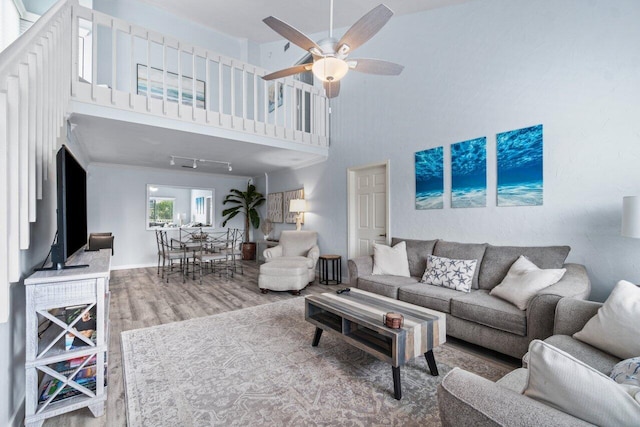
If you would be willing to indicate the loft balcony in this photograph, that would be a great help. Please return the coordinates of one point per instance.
(127, 73)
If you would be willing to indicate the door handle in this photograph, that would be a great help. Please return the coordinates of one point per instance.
(383, 235)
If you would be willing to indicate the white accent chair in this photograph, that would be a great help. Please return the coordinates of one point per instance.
(298, 246)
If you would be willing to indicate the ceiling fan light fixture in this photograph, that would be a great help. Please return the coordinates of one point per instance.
(330, 69)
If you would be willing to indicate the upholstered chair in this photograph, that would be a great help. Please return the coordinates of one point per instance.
(296, 245)
(99, 241)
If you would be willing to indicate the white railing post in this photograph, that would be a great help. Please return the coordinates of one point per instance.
(114, 59)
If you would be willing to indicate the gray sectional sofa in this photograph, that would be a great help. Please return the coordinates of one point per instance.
(462, 395)
(479, 317)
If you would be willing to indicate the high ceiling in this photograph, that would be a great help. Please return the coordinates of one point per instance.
(243, 18)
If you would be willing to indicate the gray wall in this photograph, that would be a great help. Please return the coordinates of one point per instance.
(482, 68)
(163, 22)
(116, 198)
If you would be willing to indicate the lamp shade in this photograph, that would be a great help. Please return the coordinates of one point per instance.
(631, 216)
(297, 205)
(329, 69)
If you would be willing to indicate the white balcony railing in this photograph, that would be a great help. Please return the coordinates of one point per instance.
(118, 62)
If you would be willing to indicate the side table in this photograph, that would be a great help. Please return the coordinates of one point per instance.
(336, 269)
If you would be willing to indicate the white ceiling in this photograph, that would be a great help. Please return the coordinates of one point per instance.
(243, 18)
(126, 143)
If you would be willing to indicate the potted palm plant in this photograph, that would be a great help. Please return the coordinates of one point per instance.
(244, 202)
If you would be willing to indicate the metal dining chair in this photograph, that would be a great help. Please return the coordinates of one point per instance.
(170, 255)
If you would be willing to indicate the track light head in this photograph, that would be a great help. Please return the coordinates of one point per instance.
(172, 162)
(230, 168)
(195, 165)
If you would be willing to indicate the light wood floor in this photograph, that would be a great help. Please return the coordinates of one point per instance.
(139, 298)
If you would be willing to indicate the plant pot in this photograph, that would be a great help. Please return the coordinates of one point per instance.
(248, 251)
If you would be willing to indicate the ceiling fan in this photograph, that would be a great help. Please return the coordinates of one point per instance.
(330, 55)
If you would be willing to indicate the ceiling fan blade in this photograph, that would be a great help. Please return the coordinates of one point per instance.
(292, 34)
(288, 71)
(375, 66)
(332, 89)
(365, 28)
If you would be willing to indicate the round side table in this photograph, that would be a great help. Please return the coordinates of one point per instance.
(336, 269)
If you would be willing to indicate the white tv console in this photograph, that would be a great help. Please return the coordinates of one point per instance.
(48, 293)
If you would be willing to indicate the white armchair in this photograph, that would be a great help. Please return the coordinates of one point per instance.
(296, 245)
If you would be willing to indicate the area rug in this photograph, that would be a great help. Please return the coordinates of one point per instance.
(256, 366)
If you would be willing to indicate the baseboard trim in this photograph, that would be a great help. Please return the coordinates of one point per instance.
(130, 266)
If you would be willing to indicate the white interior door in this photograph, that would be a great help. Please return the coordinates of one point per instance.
(368, 208)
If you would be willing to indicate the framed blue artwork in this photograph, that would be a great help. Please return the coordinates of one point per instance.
(469, 173)
(429, 179)
(520, 177)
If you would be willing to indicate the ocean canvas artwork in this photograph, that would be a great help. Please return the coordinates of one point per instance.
(520, 178)
(429, 179)
(469, 173)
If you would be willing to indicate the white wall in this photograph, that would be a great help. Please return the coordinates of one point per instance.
(116, 198)
(9, 23)
(482, 68)
(163, 22)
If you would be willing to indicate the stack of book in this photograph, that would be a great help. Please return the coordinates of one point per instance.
(86, 376)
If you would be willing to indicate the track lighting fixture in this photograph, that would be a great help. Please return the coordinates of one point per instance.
(195, 161)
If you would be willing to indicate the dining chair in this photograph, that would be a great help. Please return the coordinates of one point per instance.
(235, 249)
(160, 249)
(170, 255)
(216, 255)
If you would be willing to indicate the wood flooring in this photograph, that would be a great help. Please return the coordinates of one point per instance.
(139, 298)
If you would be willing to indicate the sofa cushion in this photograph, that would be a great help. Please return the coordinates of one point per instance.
(385, 285)
(559, 380)
(456, 274)
(297, 243)
(498, 259)
(524, 280)
(627, 372)
(429, 296)
(482, 308)
(456, 250)
(515, 380)
(310, 262)
(615, 328)
(593, 357)
(390, 260)
(417, 251)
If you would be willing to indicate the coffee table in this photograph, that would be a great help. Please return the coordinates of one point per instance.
(357, 318)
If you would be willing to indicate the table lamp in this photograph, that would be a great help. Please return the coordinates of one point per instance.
(298, 206)
(631, 216)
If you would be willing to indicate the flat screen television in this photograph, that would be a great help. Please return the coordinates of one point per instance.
(72, 208)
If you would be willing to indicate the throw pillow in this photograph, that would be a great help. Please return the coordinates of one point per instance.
(627, 372)
(451, 273)
(563, 382)
(390, 260)
(524, 280)
(614, 328)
